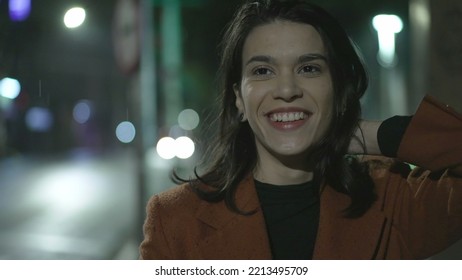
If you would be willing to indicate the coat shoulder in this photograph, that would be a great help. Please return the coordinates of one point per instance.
(170, 215)
(180, 199)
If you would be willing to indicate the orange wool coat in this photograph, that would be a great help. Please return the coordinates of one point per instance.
(418, 212)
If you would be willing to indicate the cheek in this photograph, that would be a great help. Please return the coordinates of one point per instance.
(327, 98)
(327, 108)
(252, 97)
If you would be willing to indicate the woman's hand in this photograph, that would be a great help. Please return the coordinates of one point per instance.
(365, 139)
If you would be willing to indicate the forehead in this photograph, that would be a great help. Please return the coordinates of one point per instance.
(282, 38)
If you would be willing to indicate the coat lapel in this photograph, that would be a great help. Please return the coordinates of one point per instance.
(235, 236)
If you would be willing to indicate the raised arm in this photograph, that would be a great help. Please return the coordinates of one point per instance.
(365, 139)
(379, 137)
(424, 205)
(433, 139)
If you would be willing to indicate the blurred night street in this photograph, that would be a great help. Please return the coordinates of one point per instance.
(74, 208)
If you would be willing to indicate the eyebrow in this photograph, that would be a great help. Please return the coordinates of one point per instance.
(311, 57)
(260, 58)
(302, 59)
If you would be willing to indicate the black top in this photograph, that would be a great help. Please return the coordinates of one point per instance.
(292, 212)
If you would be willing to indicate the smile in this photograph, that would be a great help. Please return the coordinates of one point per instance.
(287, 116)
(288, 119)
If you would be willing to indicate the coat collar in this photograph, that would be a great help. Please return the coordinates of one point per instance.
(235, 236)
(218, 216)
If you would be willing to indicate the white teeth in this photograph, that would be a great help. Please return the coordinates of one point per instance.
(287, 117)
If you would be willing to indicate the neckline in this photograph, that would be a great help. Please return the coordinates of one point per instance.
(290, 187)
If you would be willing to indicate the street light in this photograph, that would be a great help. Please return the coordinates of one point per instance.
(387, 26)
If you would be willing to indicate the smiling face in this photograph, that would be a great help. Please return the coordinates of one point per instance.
(286, 92)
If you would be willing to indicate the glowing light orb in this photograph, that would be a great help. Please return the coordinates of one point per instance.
(10, 88)
(74, 17)
(19, 10)
(188, 119)
(166, 148)
(184, 147)
(125, 132)
(39, 119)
(82, 111)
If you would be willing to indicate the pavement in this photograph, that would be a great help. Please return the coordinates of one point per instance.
(83, 206)
(77, 207)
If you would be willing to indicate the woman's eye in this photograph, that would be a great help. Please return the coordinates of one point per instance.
(262, 71)
(310, 69)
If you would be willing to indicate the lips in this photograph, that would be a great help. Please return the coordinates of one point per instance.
(288, 118)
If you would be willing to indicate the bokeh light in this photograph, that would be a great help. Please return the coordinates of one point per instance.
(184, 147)
(19, 10)
(188, 119)
(387, 26)
(10, 88)
(74, 17)
(387, 23)
(39, 119)
(82, 111)
(125, 132)
(166, 148)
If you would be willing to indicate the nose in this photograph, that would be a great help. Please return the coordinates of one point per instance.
(288, 88)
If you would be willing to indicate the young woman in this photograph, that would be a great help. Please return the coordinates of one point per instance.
(277, 181)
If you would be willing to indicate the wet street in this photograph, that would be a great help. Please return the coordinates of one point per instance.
(78, 207)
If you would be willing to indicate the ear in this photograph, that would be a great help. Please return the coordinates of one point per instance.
(239, 103)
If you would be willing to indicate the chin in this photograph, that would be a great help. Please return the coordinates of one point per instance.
(293, 151)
